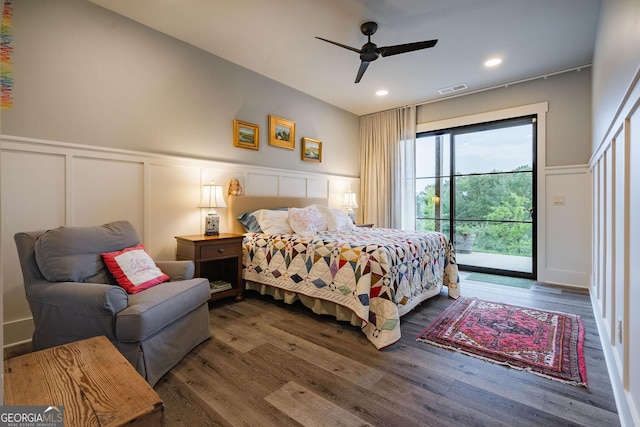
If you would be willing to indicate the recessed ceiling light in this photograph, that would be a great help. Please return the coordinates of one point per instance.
(382, 92)
(492, 62)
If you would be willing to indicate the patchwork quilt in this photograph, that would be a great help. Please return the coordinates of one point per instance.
(379, 274)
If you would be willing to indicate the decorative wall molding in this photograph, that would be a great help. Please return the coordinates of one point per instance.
(563, 229)
(615, 251)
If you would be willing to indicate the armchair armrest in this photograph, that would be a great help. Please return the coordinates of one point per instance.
(69, 311)
(85, 299)
(177, 270)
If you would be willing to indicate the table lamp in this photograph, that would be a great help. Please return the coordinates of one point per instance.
(211, 199)
(350, 203)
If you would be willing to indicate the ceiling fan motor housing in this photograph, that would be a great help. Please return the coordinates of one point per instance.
(369, 52)
(369, 28)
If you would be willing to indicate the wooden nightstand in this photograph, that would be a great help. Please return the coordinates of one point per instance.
(217, 258)
(364, 225)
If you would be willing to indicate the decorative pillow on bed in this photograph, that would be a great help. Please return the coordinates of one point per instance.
(307, 220)
(337, 219)
(134, 269)
(250, 222)
(273, 222)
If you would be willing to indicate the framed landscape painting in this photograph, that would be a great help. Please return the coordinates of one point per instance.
(246, 135)
(282, 132)
(311, 150)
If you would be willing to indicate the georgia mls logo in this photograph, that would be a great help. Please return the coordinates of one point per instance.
(31, 416)
(55, 410)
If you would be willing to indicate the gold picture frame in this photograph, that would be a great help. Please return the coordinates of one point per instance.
(282, 132)
(246, 135)
(311, 150)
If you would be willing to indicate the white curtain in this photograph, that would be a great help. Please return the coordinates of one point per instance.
(387, 168)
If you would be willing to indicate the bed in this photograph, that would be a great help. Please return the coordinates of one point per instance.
(369, 277)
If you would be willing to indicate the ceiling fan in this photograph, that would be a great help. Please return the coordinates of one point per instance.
(369, 52)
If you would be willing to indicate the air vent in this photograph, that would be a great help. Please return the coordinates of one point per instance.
(452, 89)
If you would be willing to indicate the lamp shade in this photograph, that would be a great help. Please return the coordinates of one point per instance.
(349, 200)
(350, 203)
(212, 196)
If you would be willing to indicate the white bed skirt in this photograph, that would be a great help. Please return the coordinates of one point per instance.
(316, 305)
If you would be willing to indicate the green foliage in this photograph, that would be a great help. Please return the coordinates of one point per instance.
(482, 202)
(510, 238)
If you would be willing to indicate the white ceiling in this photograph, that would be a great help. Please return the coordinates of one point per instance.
(276, 38)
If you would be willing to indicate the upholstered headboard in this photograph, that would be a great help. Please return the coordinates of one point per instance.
(237, 205)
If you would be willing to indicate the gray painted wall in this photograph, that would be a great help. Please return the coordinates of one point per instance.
(568, 119)
(88, 76)
(616, 61)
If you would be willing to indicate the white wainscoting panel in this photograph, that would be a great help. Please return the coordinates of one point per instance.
(619, 274)
(608, 311)
(292, 186)
(566, 233)
(631, 290)
(173, 197)
(317, 187)
(33, 198)
(261, 184)
(105, 190)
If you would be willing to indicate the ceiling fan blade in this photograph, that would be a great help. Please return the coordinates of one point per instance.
(408, 47)
(361, 70)
(341, 45)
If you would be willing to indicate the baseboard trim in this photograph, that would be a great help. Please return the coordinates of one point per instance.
(627, 416)
(18, 332)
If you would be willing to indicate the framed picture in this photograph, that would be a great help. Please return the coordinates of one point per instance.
(311, 150)
(246, 135)
(282, 132)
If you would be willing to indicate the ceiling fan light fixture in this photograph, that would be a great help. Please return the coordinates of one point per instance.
(382, 92)
(493, 62)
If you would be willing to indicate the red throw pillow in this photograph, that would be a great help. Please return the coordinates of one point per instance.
(134, 269)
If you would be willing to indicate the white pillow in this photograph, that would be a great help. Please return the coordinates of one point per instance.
(307, 220)
(273, 222)
(337, 219)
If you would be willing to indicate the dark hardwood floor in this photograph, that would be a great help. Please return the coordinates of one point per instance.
(272, 364)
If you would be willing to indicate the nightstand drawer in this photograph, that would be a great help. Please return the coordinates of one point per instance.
(220, 250)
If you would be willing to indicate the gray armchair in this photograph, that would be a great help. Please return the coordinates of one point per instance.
(73, 296)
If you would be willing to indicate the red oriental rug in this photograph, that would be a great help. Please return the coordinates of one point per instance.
(547, 343)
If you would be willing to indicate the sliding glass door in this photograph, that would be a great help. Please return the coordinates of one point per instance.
(477, 185)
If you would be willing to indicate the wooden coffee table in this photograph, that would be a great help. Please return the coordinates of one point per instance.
(94, 383)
